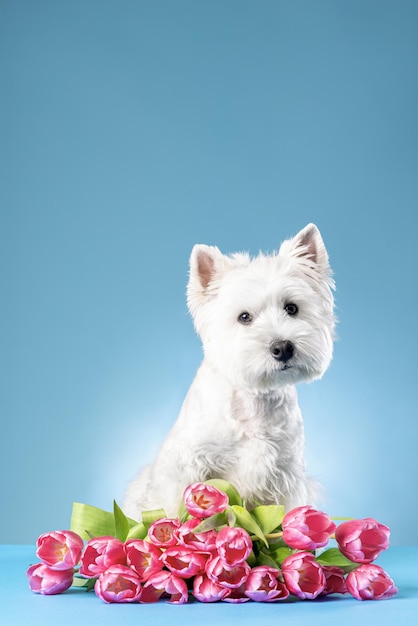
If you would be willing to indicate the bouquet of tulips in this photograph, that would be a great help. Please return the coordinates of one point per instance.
(216, 549)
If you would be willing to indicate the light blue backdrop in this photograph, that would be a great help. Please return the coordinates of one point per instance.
(130, 130)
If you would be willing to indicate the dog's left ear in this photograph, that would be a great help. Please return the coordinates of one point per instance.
(309, 246)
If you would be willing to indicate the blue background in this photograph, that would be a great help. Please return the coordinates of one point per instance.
(129, 131)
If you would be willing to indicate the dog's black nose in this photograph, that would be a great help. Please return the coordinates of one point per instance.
(282, 350)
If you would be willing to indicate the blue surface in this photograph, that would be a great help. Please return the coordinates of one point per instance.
(131, 130)
(20, 607)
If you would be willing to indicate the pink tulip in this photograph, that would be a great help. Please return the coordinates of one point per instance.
(100, 554)
(206, 590)
(204, 500)
(234, 545)
(305, 528)
(143, 557)
(165, 583)
(231, 576)
(42, 579)
(362, 540)
(183, 561)
(262, 585)
(60, 549)
(334, 580)
(370, 582)
(119, 583)
(236, 595)
(203, 542)
(304, 577)
(161, 532)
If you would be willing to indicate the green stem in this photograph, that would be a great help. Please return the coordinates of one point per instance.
(269, 536)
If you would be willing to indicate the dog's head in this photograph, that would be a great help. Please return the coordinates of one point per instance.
(265, 322)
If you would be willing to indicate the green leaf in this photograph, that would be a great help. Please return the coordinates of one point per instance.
(149, 517)
(121, 522)
(89, 521)
(333, 556)
(265, 559)
(84, 583)
(231, 518)
(268, 517)
(246, 521)
(226, 487)
(252, 560)
(280, 554)
(137, 532)
(183, 514)
(214, 521)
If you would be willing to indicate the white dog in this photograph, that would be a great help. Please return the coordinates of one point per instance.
(265, 323)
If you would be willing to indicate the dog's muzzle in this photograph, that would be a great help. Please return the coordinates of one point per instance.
(282, 350)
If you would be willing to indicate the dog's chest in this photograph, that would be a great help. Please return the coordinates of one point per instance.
(263, 429)
(263, 417)
(266, 442)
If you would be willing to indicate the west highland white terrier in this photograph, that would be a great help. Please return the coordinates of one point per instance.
(266, 324)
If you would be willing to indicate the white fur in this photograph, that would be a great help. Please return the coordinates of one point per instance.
(240, 420)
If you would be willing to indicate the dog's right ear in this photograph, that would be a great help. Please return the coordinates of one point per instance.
(207, 265)
(203, 262)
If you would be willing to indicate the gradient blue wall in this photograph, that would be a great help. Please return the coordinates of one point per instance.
(129, 131)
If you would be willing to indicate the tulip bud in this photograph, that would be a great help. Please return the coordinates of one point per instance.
(60, 549)
(362, 540)
(370, 582)
(119, 583)
(46, 581)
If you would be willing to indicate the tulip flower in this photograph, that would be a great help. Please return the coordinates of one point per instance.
(161, 532)
(334, 580)
(165, 582)
(203, 500)
(183, 561)
(362, 540)
(44, 580)
(203, 542)
(236, 595)
(234, 545)
(305, 528)
(370, 582)
(118, 583)
(231, 576)
(60, 549)
(99, 554)
(143, 557)
(205, 590)
(262, 585)
(304, 577)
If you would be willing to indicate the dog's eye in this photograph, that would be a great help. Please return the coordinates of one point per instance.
(245, 318)
(290, 308)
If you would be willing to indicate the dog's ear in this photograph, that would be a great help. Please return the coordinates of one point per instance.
(207, 264)
(309, 247)
(204, 262)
